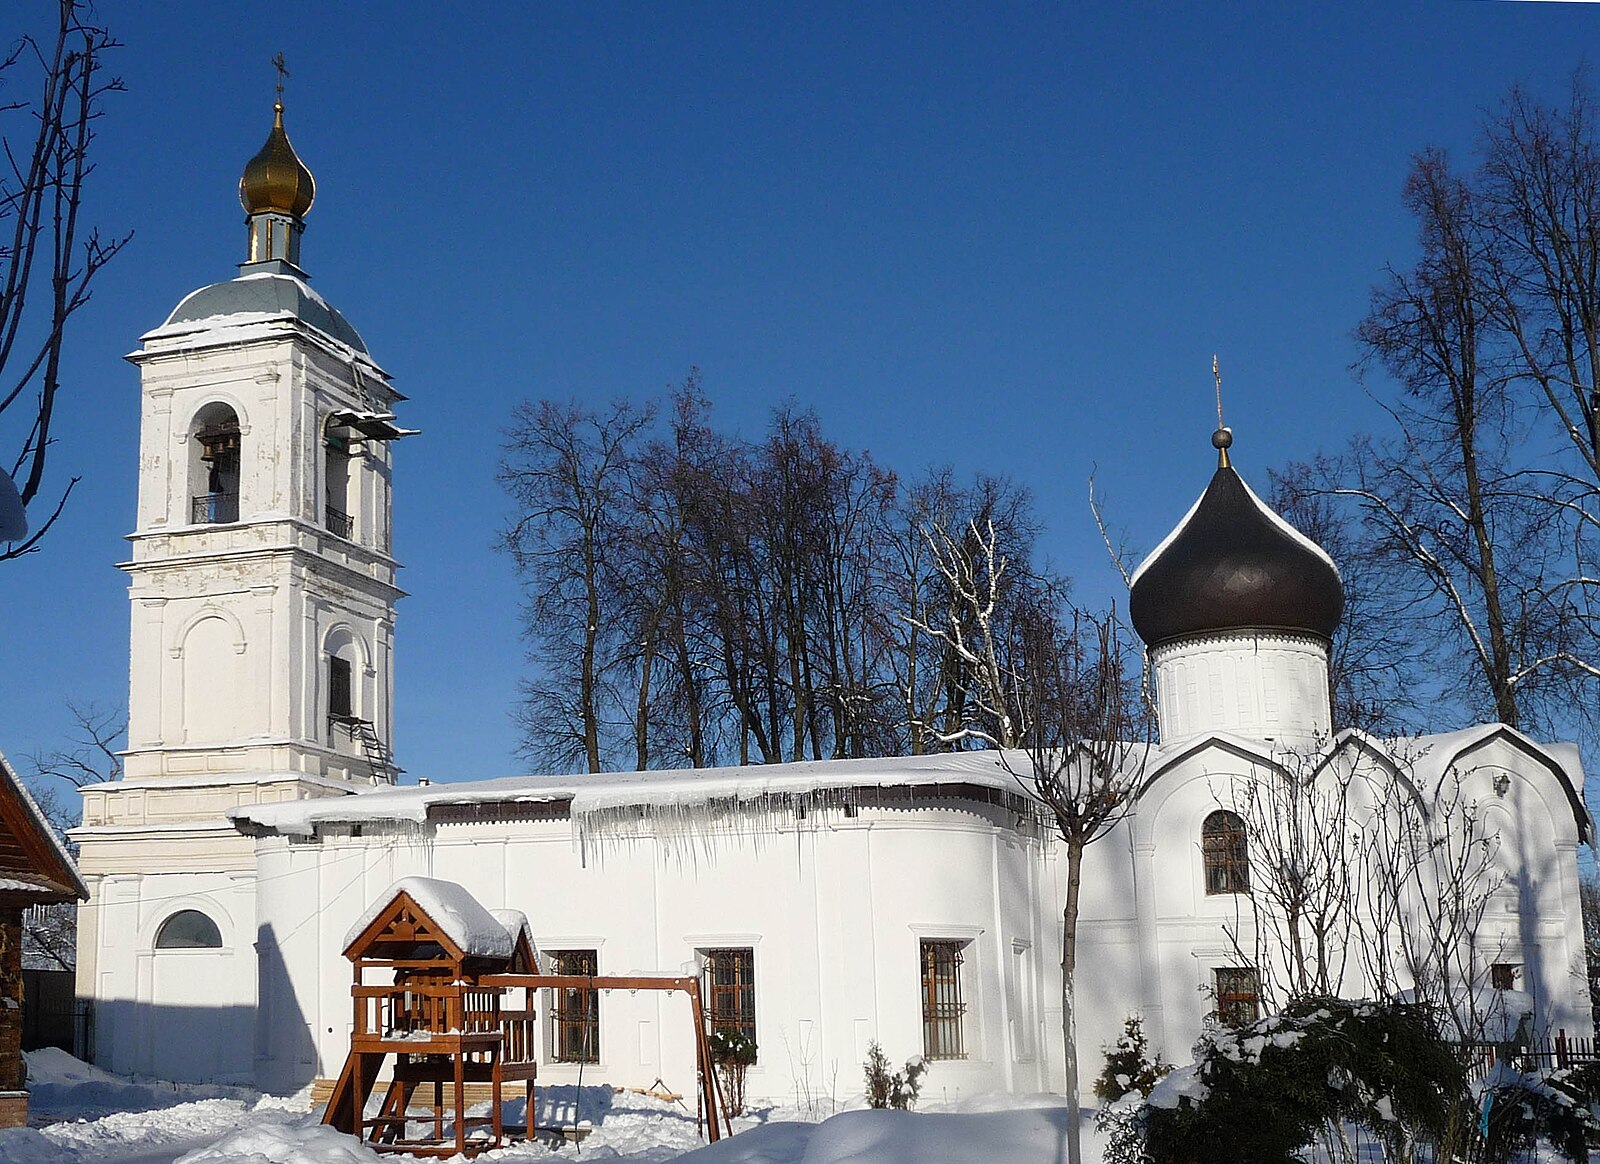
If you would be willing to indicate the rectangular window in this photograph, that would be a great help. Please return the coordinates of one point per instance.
(943, 1011)
(574, 1011)
(1503, 975)
(1238, 996)
(339, 703)
(728, 983)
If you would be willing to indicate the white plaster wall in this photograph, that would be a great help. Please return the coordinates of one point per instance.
(834, 909)
(833, 912)
(174, 1014)
(1258, 684)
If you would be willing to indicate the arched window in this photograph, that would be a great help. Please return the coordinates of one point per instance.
(214, 467)
(188, 929)
(1226, 853)
(347, 700)
(337, 462)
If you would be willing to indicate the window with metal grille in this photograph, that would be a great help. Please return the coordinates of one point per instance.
(728, 982)
(574, 1011)
(943, 1011)
(1238, 995)
(1226, 853)
(1503, 975)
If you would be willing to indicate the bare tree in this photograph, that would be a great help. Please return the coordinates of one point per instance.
(1372, 659)
(1361, 879)
(974, 573)
(567, 468)
(1086, 735)
(47, 261)
(92, 754)
(1296, 919)
(697, 598)
(1480, 516)
(1589, 899)
(1428, 873)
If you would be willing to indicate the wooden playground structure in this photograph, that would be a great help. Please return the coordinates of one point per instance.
(444, 1016)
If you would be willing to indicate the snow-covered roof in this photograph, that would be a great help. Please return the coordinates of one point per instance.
(67, 873)
(451, 907)
(515, 922)
(1426, 762)
(678, 788)
(260, 296)
(686, 792)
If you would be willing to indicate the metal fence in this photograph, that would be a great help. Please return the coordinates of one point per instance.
(52, 1017)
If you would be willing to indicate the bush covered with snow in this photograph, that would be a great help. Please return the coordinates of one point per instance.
(1518, 1109)
(1129, 1066)
(892, 1089)
(1268, 1091)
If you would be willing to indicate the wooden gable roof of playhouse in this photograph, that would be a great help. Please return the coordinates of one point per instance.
(424, 919)
(35, 867)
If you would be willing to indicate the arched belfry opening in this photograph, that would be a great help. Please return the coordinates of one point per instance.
(214, 465)
(339, 463)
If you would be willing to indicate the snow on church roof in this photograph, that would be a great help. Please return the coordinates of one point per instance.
(595, 794)
(593, 800)
(479, 933)
(259, 297)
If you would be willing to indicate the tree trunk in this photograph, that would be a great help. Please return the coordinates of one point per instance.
(1069, 1015)
(589, 686)
(641, 715)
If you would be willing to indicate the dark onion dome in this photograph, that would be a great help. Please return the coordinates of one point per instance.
(1234, 564)
(262, 296)
(276, 178)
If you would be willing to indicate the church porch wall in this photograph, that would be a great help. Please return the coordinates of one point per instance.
(171, 1014)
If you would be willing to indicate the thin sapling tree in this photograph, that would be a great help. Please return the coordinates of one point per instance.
(1083, 760)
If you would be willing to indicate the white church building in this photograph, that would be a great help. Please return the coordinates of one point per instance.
(913, 901)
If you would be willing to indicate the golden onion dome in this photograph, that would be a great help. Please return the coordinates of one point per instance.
(276, 178)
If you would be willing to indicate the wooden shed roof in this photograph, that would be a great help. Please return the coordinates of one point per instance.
(35, 867)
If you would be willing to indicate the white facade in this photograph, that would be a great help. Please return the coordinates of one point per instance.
(833, 874)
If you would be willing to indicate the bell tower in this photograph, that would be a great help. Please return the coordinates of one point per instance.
(263, 586)
(262, 642)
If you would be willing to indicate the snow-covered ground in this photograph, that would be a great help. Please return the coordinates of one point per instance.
(81, 1115)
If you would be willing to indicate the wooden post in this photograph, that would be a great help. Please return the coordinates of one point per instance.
(708, 1071)
(495, 1114)
(1561, 1047)
(461, 1101)
(356, 1095)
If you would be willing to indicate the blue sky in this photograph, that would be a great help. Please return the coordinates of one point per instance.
(1007, 237)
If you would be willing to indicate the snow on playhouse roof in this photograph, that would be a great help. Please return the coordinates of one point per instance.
(451, 907)
(515, 923)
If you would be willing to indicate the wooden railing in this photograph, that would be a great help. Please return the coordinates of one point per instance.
(402, 1012)
(406, 1014)
(519, 1031)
